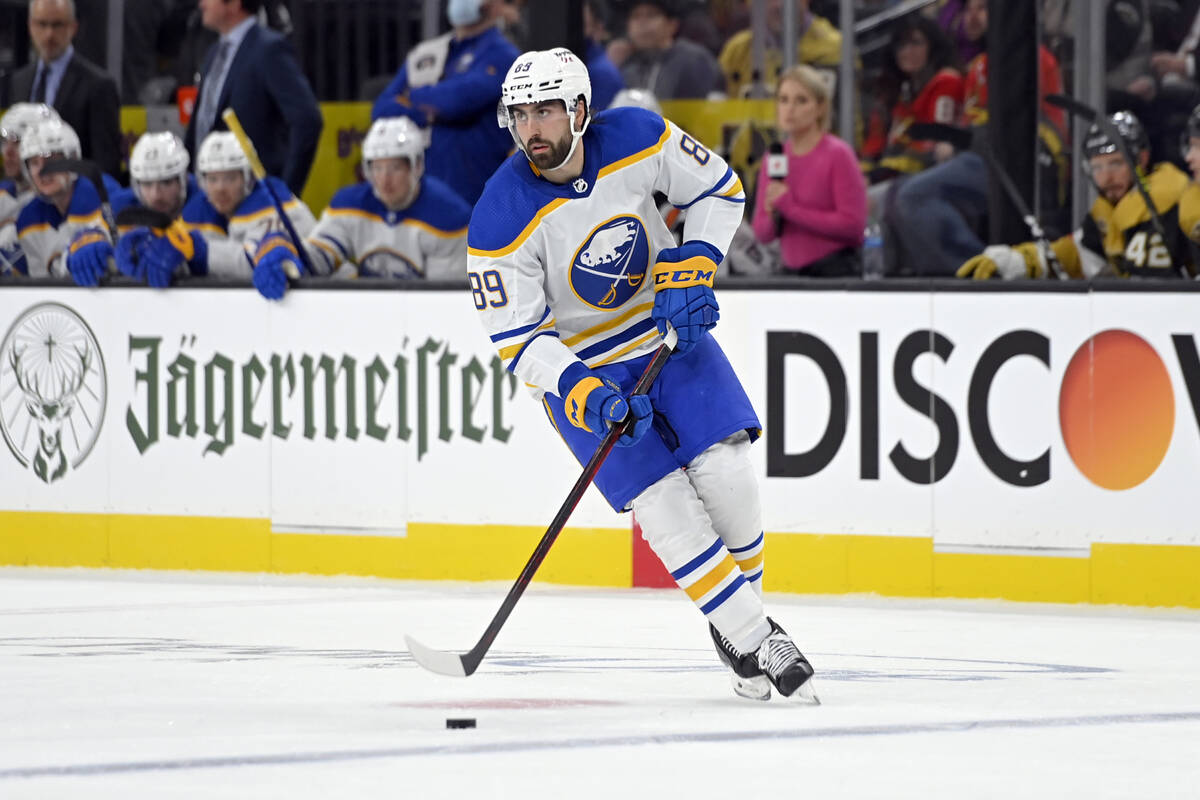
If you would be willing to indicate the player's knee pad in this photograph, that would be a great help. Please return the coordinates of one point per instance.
(725, 482)
(673, 520)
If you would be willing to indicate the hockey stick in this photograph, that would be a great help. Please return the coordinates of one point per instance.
(260, 173)
(948, 133)
(1089, 114)
(454, 664)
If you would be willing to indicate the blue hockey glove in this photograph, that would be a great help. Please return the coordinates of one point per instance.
(87, 257)
(274, 260)
(594, 404)
(177, 247)
(683, 295)
(129, 252)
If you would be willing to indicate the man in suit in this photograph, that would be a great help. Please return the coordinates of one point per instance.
(83, 94)
(254, 71)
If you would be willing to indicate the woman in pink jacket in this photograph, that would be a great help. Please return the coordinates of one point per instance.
(819, 210)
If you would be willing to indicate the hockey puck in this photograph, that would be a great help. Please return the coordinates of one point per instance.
(462, 722)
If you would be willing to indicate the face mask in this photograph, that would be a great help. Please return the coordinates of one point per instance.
(464, 12)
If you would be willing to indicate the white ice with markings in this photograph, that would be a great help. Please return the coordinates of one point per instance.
(181, 685)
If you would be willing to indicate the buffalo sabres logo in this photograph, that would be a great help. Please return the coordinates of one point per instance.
(384, 263)
(610, 266)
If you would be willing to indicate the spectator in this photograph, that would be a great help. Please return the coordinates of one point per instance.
(226, 220)
(399, 223)
(451, 84)
(818, 43)
(939, 217)
(83, 94)
(919, 83)
(819, 209)
(965, 22)
(1119, 235)
(62, 229)
(253, 70)
(668, 67)
(606, 78)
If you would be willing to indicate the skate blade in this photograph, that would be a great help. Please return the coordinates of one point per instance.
(758, 688)
(807, 694)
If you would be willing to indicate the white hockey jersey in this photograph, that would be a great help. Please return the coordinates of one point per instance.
(45, 233)
(560, 273)
(231, 243)
(425, 240)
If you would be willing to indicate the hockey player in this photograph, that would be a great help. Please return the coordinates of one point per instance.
(62, 229)
(160, 181)
(399, 223)
(1189, 203)
(224, 222)
(15, 189)
(1118, 236)
(576, 277)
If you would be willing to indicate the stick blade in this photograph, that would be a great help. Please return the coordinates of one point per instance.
(439, 661)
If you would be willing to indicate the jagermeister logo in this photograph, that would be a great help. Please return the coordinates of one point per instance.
(52, 390)
(422, 392)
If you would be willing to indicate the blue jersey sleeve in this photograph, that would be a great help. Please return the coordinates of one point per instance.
(467, 94)
(393, 101)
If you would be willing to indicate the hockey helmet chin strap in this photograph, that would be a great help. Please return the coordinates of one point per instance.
(576, 135)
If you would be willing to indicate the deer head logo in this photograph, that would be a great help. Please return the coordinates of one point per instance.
(52, 390)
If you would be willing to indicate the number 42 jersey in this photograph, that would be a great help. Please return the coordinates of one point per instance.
(562, 273)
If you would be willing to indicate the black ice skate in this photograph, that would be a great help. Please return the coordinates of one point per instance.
(784, 664)
(747, 679)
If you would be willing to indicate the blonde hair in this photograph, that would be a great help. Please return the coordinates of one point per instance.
(817, 85)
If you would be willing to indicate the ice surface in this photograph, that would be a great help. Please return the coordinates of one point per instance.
(152, 684)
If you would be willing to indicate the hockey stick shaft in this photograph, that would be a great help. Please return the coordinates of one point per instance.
(962, 139)
(466, 664)
(1089, 114)
(260, 173)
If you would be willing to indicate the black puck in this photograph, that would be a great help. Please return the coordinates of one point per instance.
(462, 722)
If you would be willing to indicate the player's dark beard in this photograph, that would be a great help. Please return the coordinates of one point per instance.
(552, 157)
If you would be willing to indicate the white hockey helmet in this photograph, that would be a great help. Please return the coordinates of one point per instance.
(46, 138)
(541, 75)
(158, 157)
(636, 98)
(220, 152)
(23, 116)
(396, 137)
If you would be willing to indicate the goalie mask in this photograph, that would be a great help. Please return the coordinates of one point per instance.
(158, 157)
(543, 75)
(394, 137)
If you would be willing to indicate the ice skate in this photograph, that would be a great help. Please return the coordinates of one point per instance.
(745, 676)
(784, 664)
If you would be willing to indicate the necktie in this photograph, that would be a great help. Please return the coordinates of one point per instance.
(39, 84)
(212, 92)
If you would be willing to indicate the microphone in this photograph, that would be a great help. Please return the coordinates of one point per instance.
(777, 162)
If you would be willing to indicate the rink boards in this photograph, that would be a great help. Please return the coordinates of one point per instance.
(1037, 446)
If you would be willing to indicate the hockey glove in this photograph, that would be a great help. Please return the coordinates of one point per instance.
(683, 295)
(274, 261)
(1020, 261)
(87, 257)
(594, 404)
(129, 252)
(167, 254)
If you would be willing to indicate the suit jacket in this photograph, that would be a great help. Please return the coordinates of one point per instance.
(274, 103)
(87, 100)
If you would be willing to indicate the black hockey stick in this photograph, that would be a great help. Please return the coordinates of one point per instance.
(1089, 114)
(454, 664)
(962, 139)
(141, 217)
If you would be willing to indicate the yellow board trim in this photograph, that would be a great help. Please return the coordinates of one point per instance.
(1129, 574)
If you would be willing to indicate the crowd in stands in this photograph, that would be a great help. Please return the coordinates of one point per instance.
(915, 180)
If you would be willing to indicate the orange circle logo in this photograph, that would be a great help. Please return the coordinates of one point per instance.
(1116, 409)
